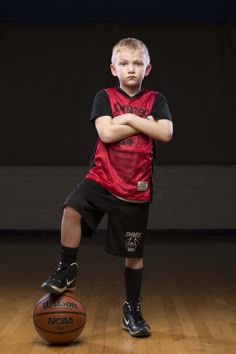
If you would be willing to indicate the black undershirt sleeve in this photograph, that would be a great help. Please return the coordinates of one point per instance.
(160, 109)
(101, 106)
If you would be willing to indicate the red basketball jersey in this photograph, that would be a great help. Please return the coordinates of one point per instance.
(124, 168)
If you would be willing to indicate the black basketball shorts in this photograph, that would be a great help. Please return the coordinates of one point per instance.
(126, 222)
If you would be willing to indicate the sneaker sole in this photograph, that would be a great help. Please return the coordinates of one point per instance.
(136, 334)
(54, 290)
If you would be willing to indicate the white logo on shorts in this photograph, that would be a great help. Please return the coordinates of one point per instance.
(132, 240)
(142, 186)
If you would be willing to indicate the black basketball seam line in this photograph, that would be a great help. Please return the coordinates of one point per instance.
(58, 312)
(60, 333)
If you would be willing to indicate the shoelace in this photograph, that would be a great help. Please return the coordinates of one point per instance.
(61, 270)
(136, 313)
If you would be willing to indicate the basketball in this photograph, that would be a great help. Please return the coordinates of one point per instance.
(59, 319)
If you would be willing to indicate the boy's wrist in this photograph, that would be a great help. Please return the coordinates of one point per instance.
(129, 118)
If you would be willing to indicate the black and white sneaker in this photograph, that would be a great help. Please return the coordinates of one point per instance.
(64, 279)
(133, 320)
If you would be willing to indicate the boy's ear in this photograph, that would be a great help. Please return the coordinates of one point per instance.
(113, 70)
(148, 69)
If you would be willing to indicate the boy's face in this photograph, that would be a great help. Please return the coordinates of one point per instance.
(130, 67)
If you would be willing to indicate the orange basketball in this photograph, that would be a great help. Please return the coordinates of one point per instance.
(59, 319)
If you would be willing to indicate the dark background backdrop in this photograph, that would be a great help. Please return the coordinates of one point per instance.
(54, 58)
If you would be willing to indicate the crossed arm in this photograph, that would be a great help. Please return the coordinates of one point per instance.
(128, 124)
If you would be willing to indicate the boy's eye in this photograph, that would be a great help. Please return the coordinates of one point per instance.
(124, 63)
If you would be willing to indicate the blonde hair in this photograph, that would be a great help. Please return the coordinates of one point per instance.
(130, 43)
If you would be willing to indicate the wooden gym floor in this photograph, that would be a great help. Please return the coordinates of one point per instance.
(189, 294)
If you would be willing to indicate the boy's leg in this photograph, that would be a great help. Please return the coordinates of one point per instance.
(87, 196)
(71, 228)
(64, 279)
(133, 279)
(127, 224)
(132, 316)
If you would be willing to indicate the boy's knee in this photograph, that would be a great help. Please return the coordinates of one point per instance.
(70, 213)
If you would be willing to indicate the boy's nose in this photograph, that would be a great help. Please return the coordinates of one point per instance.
(131, 68)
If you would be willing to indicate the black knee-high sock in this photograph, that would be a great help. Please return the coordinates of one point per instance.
(69, 254)
(133, 284)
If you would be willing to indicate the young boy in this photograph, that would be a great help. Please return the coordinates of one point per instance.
(128, 119)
